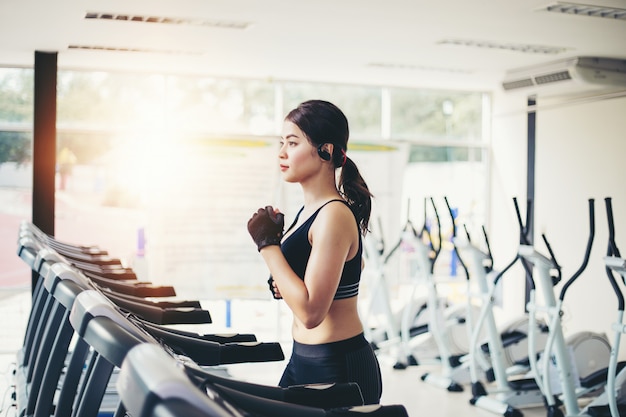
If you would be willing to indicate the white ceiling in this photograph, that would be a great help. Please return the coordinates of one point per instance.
(387, 43)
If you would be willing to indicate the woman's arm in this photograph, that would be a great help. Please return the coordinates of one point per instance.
(332, 236)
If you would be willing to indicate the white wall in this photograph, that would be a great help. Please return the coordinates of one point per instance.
(508, 180)
(580, 152)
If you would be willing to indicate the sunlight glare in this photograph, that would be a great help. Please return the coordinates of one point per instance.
(142, 166)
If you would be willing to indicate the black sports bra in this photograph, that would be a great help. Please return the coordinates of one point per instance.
(297, 250)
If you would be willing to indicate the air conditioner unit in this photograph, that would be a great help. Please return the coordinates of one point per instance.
(571, 75)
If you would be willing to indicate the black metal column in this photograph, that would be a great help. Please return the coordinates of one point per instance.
(530, 175)
(44, 142)
(530, 170)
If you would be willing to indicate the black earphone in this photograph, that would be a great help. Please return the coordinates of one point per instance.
(325, 155)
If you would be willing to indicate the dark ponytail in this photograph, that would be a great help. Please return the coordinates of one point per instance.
(357, 194)
(323, 122)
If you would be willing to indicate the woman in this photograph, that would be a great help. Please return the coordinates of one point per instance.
(316, 265)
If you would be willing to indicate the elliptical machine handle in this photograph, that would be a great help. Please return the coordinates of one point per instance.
(489, 265)
(587, 251)
(438, 248)
(523, 227)
(456, 250)
(524, 240)
(556, 278)
(613, 251)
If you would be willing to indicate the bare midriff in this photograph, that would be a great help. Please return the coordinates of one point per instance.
(342, 322)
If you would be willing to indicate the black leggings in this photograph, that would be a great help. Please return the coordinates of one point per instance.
(350, 360)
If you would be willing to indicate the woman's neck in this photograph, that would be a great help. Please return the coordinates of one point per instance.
(319, 191)
(317, 195)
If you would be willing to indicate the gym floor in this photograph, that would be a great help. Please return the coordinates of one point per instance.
(399, 386)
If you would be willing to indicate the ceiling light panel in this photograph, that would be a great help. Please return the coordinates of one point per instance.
(528, 49)
(587, 10)
(223, 24)
(411, 67)
(123, 49)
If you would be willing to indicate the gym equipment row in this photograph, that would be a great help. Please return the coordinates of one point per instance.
(408, 330)
(86, 355)
(419, 336)
(580, 360)
(584, 365)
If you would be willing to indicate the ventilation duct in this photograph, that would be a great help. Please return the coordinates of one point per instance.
(572, 75)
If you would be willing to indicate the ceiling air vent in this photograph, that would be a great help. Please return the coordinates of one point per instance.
(553, 78)
(511, 85)
(568, 75)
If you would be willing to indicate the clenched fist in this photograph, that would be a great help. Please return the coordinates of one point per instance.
(266, 227)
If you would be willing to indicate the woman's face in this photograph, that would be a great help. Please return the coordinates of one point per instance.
(297, 158)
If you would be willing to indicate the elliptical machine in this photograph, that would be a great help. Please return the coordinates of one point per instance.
(454, 371)
(385, 334)
(507, 395)
(417, 318)
(612, 402)
(559, 351)
(408, 330)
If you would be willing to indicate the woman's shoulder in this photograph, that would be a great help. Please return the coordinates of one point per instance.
(336, 211)
(336, 205)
